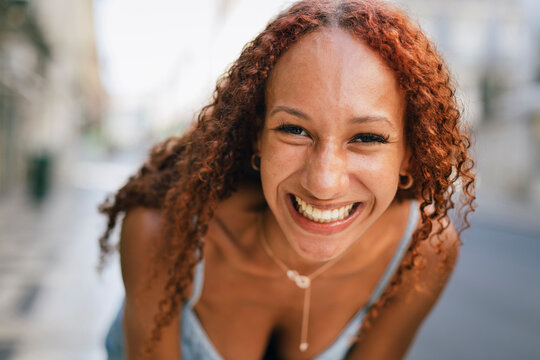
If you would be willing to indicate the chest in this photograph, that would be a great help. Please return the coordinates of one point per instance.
(247, 316)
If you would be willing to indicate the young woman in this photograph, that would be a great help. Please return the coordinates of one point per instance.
(305, 215)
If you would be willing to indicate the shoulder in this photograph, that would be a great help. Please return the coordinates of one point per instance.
(144, 281)
(428, 268)
(140, 234)
(143, 256)
(393, 330)
(141, 223)
(433, 261)
(436, 258)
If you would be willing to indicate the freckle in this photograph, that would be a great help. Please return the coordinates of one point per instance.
(420, 262)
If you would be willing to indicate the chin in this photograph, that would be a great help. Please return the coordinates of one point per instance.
(323, 241)
(318, 250)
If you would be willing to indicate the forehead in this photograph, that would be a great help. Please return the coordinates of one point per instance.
(330, 71)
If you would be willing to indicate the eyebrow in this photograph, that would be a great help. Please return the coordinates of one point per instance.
(357, 119)
(289, 110)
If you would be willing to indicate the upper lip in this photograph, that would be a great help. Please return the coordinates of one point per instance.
(325, 205)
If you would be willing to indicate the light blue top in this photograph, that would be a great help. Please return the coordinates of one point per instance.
(196, 344)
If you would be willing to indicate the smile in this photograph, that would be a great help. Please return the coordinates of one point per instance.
(322, 215)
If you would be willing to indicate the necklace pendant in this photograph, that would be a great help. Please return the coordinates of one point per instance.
(292, 274)
(302, 281)
(304, 346)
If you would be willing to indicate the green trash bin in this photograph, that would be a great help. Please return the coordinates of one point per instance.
(39, 176)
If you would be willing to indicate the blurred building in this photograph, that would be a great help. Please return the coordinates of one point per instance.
(493, 48)
(50, 89)
(159, 71)
(24, 56)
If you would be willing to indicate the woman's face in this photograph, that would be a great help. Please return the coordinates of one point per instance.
(332, 145)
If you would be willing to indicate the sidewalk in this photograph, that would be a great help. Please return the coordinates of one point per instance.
(54, 305)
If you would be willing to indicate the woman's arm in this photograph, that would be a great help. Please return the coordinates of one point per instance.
(393, 330)
(140, 234)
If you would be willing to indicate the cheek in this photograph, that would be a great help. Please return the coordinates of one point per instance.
(378, 172)
(275, 159)
(278, 162)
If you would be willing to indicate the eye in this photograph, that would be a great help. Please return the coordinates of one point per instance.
(292, 129)
(370, 138)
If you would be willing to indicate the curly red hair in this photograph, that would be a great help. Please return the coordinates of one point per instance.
(186, 177)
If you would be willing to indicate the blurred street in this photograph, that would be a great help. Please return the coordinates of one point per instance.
(54, 305)
(83, 84)
(490, 308)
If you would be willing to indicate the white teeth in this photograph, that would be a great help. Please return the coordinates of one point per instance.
(320, 215)
(326, 215)
(341, 213)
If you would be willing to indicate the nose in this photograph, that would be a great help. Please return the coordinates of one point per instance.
(325, 173)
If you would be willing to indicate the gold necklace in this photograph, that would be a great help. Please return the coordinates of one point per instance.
(303, 282)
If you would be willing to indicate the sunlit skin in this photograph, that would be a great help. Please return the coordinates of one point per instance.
(333, 135)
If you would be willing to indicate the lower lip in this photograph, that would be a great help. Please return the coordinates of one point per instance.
(322, 228)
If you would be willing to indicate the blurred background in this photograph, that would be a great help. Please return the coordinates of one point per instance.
(87, 86)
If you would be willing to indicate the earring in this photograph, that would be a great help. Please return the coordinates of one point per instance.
(405, 181)
(256, 162)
